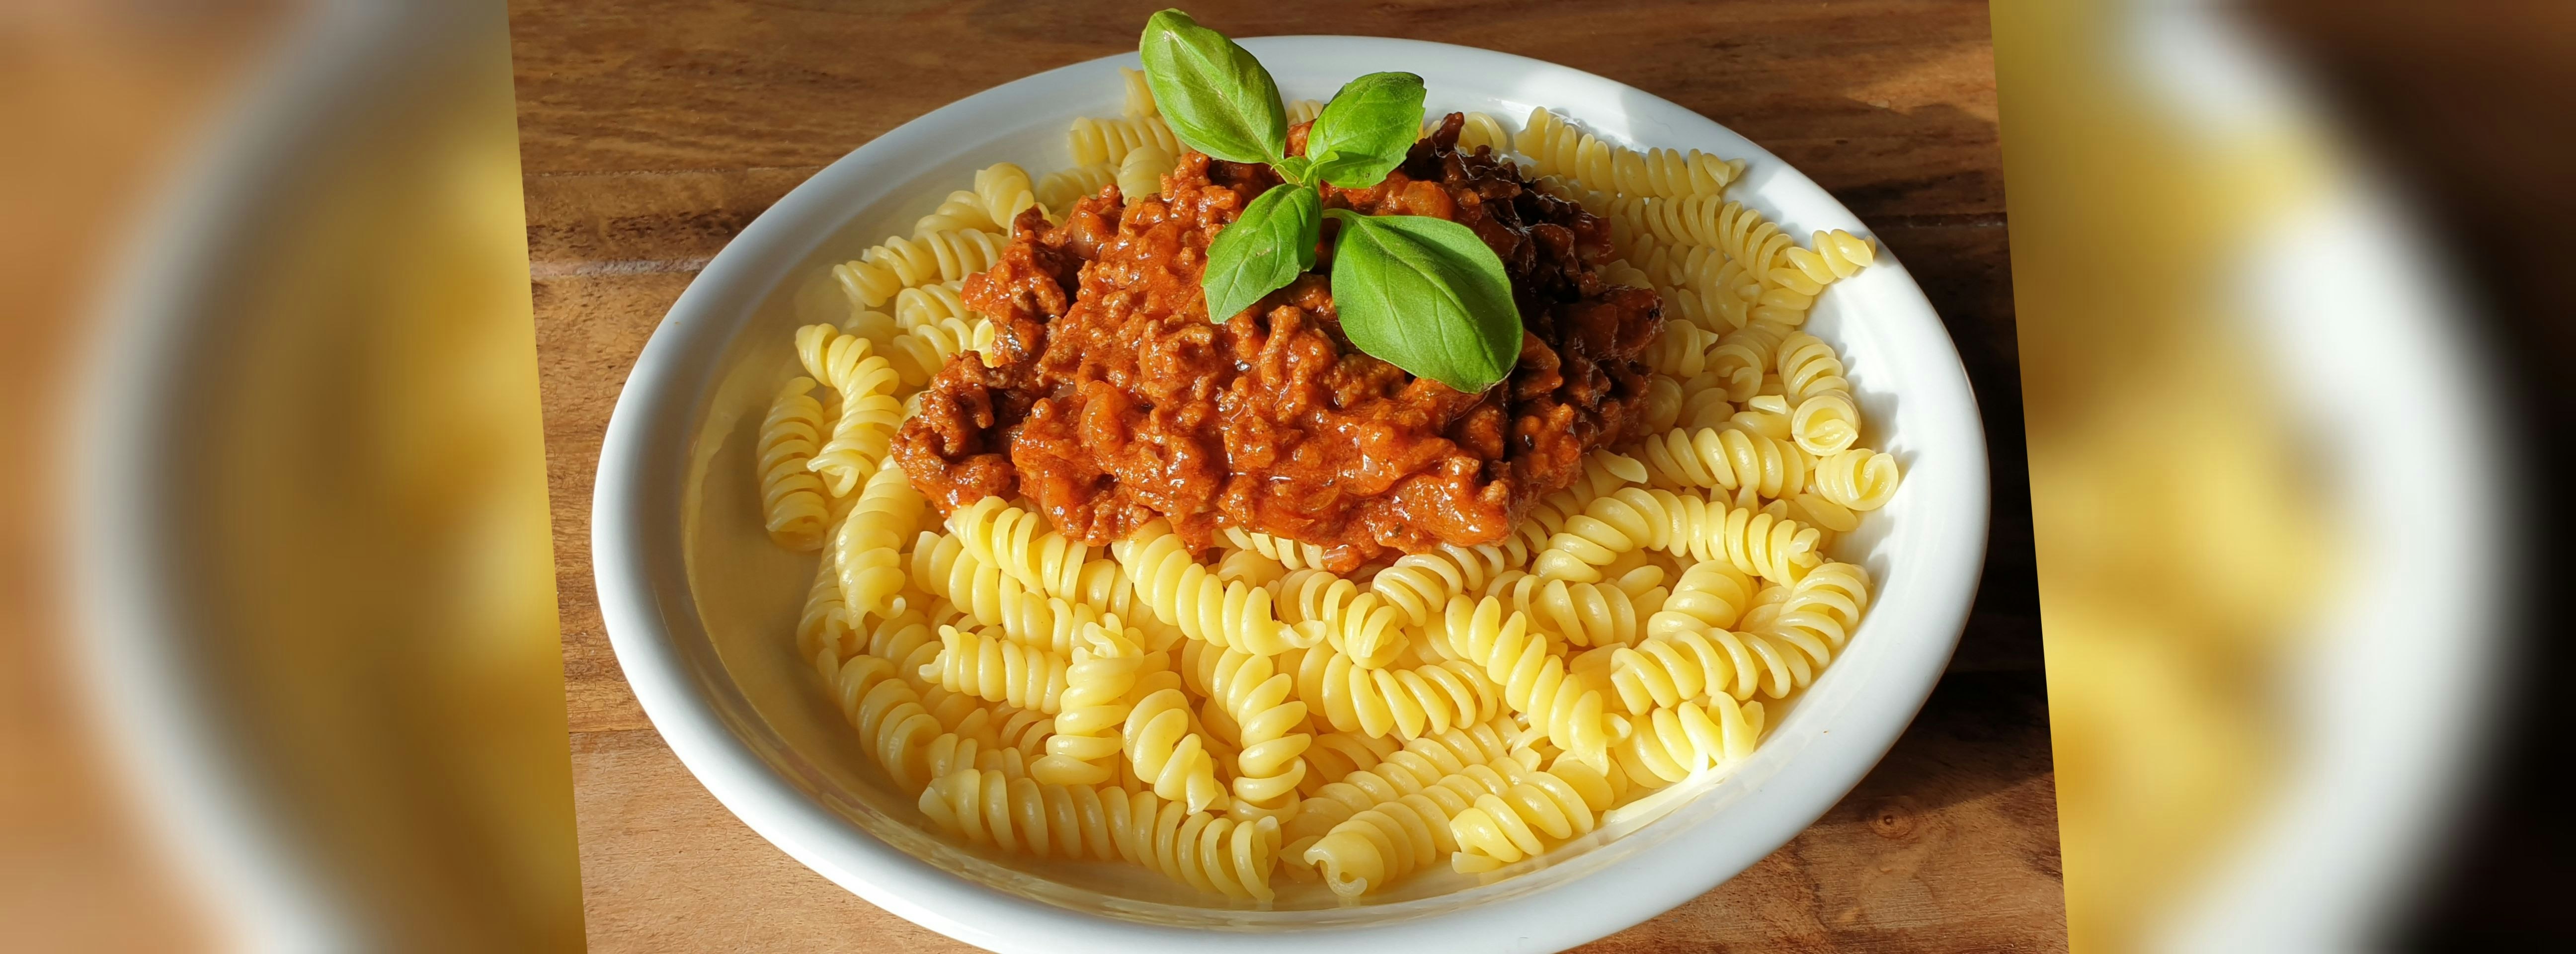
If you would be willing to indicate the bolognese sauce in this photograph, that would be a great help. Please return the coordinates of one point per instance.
(1116, 401)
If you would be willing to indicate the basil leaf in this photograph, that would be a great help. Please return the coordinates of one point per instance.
(1425, 295)
(1295, 169)
(1265, 249)
(1217, 98)
(1366, 130)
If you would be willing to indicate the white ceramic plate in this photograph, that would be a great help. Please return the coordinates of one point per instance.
(701, 608)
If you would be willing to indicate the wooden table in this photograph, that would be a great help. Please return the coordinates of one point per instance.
(652, 132)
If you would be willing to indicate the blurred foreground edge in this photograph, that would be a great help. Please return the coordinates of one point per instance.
(313, 552)
(2267, 488)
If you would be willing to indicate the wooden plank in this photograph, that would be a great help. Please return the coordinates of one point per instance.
(1889, 104)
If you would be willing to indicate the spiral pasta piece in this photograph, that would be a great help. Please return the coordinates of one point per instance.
(1420, 584)
(1542, 808)
(1556, 147)
(1167, 754)
(989, 666)
(1335, 755)
(1304, 111)
(1860, 478)
(1337, 612)
(962, 209)
(1824, 418)
(1671, 743)
(892, 723)
(1726, 459)
(920, 351)
(1481, 131)
(1061, 189)
(900, 263)
(1140, 174)
(1405, 702)
(1390, 839)
(1096, 140)
(1671, 669)
(1711, 595)
(1837, 255)
(1584, 614)
(1535, 682)
(1290, 553)
(1085, 747)
(1022, 816)
(1703, 529)
(1822, 608)
(1022, 544)
(1183, 593)
(823, 629)
(793, 506)
(1681, 351)
(936, 304)
(866, 549)
(1268, 723)
(1140, 95)
(1004, 191)
(1743, 356)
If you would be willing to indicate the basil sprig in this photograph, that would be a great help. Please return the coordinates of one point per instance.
(1423, 294)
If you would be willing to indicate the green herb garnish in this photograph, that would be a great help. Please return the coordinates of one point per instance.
(1420, 293)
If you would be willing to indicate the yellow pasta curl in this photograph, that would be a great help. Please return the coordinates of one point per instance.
(1396, 837)
(793, 506)
(1218, 855)
(1060, 190)
(1085, 747)
(1420, 584)
(1535, 681)
(1701, 528)
(866, 549)
(989, 666)
(1183, 593)
(1712, 594)
(1671, 743)
(1727, 459)
(1167, 754)
(1407, 702)
(1860, 479)
(1338, 613)
(900, 263)
(1540, 809)
(1555, 147)
(1140, 174)
(1096, 140)
(1268, 723)
(1022, 544)
(1290, 553)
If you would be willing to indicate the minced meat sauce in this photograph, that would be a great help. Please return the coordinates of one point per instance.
(1117, 401)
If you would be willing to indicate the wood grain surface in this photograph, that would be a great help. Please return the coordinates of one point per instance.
(652, 132)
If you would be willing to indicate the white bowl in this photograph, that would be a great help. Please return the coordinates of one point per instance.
(702, 608)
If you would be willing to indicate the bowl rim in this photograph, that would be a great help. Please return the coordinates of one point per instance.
(643, 588)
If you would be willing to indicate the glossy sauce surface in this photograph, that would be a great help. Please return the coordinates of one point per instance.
(1117, 401)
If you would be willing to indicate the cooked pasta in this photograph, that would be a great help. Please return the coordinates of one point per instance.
(1540, 809)
(792, 503)
(1724, 459)
(1534, 679)
(1671, 743)
(989, 666)
(1098, 141)
(1061, 189)
(1168, 754)
(1204, 710)
(1859, 479)
(1140, 95)
(1141, 172)
(1335, 611)
(1217, 855)
(903, 263)
(1260, 701)
(1183, 593)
